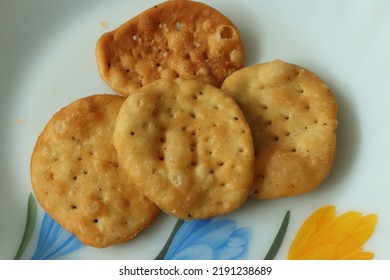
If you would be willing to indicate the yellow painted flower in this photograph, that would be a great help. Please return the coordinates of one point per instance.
(323, 236)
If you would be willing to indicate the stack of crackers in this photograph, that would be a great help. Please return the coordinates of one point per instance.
(192, 132)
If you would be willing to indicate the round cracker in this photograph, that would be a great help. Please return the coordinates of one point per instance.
(187, 146)
(293, 118)
(173, 39)
(77, 179)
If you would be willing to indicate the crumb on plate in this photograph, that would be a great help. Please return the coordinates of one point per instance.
(103, 24)
(19, 120)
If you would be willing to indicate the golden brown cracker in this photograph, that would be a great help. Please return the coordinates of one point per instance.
(77, 179)
(187, 146)
(173, 39)
(293, 118)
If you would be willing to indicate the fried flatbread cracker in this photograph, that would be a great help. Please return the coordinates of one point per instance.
(293, 118)
(173, 39)
(77, 179)
(187, 146)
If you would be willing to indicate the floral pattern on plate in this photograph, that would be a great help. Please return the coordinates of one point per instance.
(209, 240)
(327, 237)
(322, 236)
(54, 241)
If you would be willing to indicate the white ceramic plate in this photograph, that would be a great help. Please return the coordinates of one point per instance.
(47, 60)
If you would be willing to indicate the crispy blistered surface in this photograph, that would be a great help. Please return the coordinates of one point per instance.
(293, 118)
(173, 39)
(192, 147)
(78, 180)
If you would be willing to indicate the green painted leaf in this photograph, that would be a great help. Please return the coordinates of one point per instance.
(164, 250)
(30, 225)
(274, 249)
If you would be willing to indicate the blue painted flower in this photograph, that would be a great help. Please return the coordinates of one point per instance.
(210, 240)
(54, 241)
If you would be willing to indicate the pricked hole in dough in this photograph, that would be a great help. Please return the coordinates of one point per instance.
(275, 138)
(293, 150)
(324, 123)
(95, 220)
(132, 133)
(221, 163)
(240, 150)
(74, 178)
(193, 147)
(315, 121)
(108, 64)
(78, 159)
(161, 158)
(286, 118)
(305, 127)
(269, 122)
(222, 184)
(55, 159)
(170, 113)
(91, 153)
(51, 176)
(178, 26)
(163, 128)
(85, 172)
(211, 171)
(235, 118)
(127, 70)
(300, 88)
(287, 133)
(261, 176)
(189, 215)
(226, 32)
(192, 115)
(73, 206)
(265, 107)
(162, 140)
(194, 163)
(200, 93)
